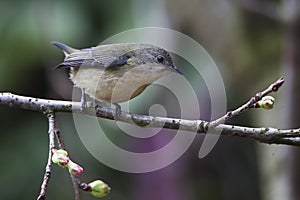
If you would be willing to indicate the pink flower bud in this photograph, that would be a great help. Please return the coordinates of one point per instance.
(266, 102)
(99, 188)
(74, 168)
(60, 157)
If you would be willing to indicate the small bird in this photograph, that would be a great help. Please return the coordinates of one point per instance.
(116, 73)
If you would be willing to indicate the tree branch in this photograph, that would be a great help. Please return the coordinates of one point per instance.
(74, 179)
(47, 175)
(264, 134)
(250, 104)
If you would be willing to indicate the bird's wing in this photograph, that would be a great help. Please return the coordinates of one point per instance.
(94, 58)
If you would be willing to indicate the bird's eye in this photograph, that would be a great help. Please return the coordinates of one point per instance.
(160, 59)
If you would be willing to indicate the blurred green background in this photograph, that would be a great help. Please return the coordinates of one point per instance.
(251, 47)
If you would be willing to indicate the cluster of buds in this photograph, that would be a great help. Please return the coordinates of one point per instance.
(61, 158)
(97, 188)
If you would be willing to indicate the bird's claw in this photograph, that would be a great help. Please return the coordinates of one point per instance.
(83, 101)
(118, 111)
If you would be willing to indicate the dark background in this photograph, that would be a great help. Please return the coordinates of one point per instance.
(251, 47)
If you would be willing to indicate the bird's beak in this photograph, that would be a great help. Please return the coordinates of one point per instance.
(177, 69)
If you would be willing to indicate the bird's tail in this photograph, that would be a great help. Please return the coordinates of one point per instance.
(66, 49)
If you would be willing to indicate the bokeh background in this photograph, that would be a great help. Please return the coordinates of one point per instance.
(252, 41)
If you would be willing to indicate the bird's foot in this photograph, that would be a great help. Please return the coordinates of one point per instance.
(118, 111)
(83, 101)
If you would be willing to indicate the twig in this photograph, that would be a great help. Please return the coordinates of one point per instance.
(47, 175)
(74, 178)
(59, 139)
(250, 104)
(75, 187)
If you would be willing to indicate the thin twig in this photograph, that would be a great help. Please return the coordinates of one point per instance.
(59, 139)
(74, 178)
(75, 187)
(47, 175)
(250, 104)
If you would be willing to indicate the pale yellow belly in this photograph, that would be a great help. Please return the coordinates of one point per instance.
(107, 87)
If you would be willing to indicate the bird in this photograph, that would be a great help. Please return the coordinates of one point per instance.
(116, 73)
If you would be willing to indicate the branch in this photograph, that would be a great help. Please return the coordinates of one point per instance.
(47, 175)
(74, 179)
(263, 134)
(252, 103)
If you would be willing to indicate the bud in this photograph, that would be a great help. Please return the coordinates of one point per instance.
(266, 102)
(60, 157)
(99, 188)
(74, 168)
